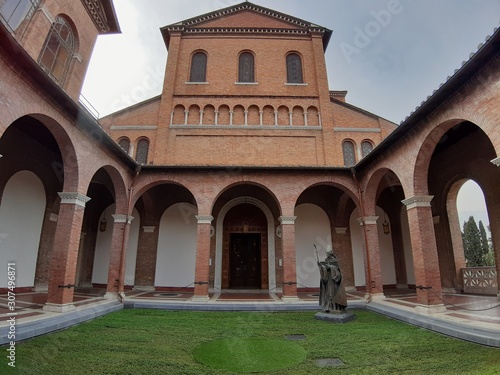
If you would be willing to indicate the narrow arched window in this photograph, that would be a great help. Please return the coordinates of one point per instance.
(294, 68)
(141, 155)
(124, 143)
(246, 68)
(58, 50)
(348, 150)
(14, 12)
(198, 67)
(366, 148)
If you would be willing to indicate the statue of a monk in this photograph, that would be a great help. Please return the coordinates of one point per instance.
(332, 297)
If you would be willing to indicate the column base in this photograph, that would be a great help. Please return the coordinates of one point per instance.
(144, 288)
(199, 299)
(55, 307)
(375, 297)
(290, 299)
(431, 309)
(111, 296)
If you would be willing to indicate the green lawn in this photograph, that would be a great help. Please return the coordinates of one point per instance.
(165, 342)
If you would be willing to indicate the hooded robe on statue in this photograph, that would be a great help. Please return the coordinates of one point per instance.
(332, 295)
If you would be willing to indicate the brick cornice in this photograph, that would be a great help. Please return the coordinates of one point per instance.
(418, 201)
(102, 14)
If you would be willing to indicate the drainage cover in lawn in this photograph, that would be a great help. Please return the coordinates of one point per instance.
(249, 354)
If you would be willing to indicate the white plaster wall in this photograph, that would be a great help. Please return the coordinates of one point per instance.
(21, 217)
(386, 250)
(133, 242)
(358, 258)
(312, 226)
(176, 257)
(103, 248)
(405, 228)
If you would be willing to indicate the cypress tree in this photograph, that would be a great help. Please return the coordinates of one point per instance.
(472, 243)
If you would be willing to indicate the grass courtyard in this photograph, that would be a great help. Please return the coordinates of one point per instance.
(168, 342)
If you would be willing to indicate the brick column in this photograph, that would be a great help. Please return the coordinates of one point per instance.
(145, 268)
(373, 263)
(342, 248)
(121, 229)
(65, 252)
(289, 255)
(425, 256)
(494, 216)
(202, 268)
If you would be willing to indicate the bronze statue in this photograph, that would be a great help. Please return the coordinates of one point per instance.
(332, 297)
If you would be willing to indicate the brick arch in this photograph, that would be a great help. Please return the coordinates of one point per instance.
(424, 155)
(283, 115)
(223, 118)
(238, 115)
(428, 145)
(376, 183)
(268, 115)
(253, 115)
(71, 165)
(194, 115)
(209, 115)
(344, 183)
(298, 116)
(144, 184)
(313, 116)
(179, 115)
(233, 184)
(120, 189)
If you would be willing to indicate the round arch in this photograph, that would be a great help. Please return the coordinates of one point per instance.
(219, 236)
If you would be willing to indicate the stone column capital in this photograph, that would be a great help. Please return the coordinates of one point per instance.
(119, 218)
(367, 220)
(418, 201)
(496, 161)
(204, 219)
(148, 228)
(287, 220)
(73, 198)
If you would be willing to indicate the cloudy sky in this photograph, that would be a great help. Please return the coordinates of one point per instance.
(388, 54)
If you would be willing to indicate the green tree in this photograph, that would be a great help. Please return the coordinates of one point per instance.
(472, 243)
(489, 258)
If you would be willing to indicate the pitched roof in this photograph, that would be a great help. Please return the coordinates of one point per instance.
(205, 23)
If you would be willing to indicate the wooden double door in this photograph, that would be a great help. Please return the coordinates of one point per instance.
(245, 261)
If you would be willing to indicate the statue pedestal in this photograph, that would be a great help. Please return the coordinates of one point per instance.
(335, 317)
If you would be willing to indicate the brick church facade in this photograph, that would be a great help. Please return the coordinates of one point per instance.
(232, 176)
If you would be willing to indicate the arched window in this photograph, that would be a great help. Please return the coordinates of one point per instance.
(294, 68)
(349, 152)
(58, 50)
(141, 155)
(198, 67)
(366, 147)
(124, 143)
(246, 68)
(14, 12)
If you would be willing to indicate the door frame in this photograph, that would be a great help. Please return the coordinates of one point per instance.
(219, 236)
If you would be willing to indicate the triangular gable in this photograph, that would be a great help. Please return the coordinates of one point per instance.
(244, 16)
(247, 19)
